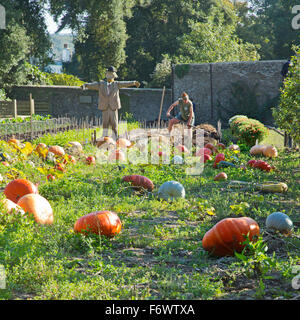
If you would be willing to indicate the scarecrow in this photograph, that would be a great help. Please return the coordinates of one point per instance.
(109, 100)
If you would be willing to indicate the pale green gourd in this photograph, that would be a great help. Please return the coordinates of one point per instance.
(171, 190)
(279, 221)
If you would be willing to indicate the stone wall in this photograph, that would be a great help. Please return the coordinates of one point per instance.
(144, 104)
(221, 90)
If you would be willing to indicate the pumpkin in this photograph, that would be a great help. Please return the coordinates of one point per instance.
(219, 157)
(182, 149)
(38, 206)
(74, 148)
(57, 150)
(177, 159)
(139, 181)
(211, 147)
(228, 235)
(202, 151)
(251, 163)
(11, 206)
(220, 176)
(206, 157)
(234, 147)
(279, 221)
(270, 152)
(257, 150)
(262, 165)
(106, 223)
(90, 160)
(105, 142)
(40, 147)
(171, 190)
(123, 143)
(18, 188)
(14, 142)
(221, 145)
(117, 155)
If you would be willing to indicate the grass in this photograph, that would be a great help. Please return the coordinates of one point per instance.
(158, 254)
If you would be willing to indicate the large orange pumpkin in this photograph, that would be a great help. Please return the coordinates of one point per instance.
(106, 223)
(18, 188)
(228, 235)
(57, 150)
(38, 206)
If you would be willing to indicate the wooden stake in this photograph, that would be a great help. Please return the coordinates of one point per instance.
(161, 105)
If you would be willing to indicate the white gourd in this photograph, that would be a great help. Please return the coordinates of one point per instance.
(177, 159)
(171, 190)
(279, 221)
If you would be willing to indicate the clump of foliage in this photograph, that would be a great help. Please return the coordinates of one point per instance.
(248, 130)
(287, 114)
(64, 79)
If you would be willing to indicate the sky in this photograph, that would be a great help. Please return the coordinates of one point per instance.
(52, 26)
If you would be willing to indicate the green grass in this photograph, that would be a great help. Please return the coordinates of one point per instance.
(158, 254)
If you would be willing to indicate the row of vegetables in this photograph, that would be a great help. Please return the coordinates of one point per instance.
(224, 238)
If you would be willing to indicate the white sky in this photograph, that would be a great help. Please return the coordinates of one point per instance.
(52, 26)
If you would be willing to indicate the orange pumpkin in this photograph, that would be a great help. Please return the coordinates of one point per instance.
(139, 181)
(14, 141)
(38, 206)
(228, 235)
(57, 150)
(105, 142)
(123, 143)
(18, 188)
(117, 155)
(106, 223)
(270, 152)
(220, 176)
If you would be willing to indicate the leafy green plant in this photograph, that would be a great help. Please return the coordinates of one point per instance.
(64, 79)
(255, 258)
(287, 114)
(248, 130)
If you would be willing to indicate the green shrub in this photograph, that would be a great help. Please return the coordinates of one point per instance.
(287, 115)
(248, 130)
(64, 79)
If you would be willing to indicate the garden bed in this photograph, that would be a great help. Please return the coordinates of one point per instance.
(159, 253)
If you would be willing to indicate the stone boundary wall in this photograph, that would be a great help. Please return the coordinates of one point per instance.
(143, 103)
(221, 90)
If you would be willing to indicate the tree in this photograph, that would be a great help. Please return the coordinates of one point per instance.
(287, 115)
(101, 33)
(214, 41)
(267, 23)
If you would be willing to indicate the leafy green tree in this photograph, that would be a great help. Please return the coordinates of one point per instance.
(101, 34)
(214, 41)
(267, 23)
(287, 114)
(15, 47)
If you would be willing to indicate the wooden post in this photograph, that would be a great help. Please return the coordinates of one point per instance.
(15, 112)
(161, 105)
(31, 101)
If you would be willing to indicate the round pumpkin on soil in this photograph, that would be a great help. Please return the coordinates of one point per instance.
(228, 236)
(18, 188)
(38, 206)
(57, 150)
(106, 223)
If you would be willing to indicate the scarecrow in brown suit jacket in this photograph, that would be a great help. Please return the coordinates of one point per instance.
(109, 99)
